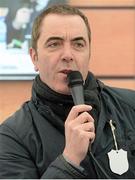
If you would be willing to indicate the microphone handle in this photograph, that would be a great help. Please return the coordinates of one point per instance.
(77, 94)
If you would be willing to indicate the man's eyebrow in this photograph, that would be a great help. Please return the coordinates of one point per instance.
(79, 38)
(53, 38)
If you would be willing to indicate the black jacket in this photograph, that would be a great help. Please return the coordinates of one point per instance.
(31, 147)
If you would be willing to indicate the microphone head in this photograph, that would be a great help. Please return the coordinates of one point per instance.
(74, 78)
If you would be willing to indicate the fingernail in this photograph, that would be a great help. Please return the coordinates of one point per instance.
(90, 107)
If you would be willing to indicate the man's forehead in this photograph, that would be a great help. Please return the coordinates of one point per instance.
(53, 19)
(63, 26)
(58, 24)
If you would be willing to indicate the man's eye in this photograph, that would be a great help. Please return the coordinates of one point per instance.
(54, 44)
(78, 45)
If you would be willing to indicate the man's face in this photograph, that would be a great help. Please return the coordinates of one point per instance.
(63, 46)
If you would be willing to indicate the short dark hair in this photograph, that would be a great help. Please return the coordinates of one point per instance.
(56, 9)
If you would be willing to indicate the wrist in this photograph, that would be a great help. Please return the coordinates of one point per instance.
(71, 159)
(80, 168)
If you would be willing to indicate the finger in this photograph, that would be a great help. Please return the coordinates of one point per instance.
(89, 126)
(76, 110)
(81, 119)
(84, 117)
(90, 136)
(86, 135)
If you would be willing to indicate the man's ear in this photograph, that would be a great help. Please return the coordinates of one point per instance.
(34, 58)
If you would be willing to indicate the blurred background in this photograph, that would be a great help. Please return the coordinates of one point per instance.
(112, 49)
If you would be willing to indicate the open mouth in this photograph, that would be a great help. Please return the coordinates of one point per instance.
(65, 71)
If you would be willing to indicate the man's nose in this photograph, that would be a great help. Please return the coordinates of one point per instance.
(67, 53)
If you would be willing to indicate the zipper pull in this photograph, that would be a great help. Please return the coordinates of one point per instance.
(113, 133)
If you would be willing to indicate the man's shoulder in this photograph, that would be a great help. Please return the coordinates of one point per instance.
(20, 122)
(126, 95)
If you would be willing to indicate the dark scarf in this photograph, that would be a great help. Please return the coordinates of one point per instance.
(60, 105)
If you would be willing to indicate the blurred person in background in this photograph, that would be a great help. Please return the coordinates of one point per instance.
(50, 137)
(20, 18)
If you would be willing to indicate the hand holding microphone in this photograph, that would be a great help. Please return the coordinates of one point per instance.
(79, 125)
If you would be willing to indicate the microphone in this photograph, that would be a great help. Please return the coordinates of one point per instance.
(75, 83)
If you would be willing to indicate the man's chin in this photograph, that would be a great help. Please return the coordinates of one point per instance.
(63, 90)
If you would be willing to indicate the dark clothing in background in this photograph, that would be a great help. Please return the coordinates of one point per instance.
(32, 140)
